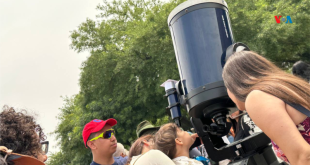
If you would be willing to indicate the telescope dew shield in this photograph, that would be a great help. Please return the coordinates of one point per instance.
(201, 33)
(203, 41)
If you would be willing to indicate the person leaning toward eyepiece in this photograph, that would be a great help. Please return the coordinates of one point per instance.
(146, 128)
(276, 101)
(175, 143)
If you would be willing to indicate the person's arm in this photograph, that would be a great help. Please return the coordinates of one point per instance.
(269, 113)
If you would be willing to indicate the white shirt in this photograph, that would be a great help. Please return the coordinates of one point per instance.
(183, 160)
(152, 157)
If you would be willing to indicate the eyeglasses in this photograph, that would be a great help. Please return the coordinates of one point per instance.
(234, 117)
(44, 146)
(106, 135)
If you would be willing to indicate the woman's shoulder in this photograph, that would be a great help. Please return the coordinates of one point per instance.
(257, 97)
(258, 94)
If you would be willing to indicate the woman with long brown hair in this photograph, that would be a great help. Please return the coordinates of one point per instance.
(278, 103)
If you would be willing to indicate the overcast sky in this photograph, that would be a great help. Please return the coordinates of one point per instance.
(37, 66)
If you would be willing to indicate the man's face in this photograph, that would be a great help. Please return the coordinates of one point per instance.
(104, 146)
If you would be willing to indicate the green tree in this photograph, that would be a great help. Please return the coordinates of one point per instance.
(254, 24)
(131, 54)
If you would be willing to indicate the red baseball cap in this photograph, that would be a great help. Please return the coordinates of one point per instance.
(95, 126)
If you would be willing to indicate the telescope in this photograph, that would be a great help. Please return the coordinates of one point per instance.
(203, 40)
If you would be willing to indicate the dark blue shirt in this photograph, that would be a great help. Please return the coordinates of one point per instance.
(94, 163)
(121, 160)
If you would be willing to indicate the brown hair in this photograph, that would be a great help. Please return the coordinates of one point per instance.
(18, 132)
(246, 71)
(165, 139)
(137, 146)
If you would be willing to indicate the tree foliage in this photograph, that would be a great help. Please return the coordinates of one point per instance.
(131, 54)
(254, 24)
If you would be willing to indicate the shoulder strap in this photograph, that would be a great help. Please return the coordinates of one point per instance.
(240, 122)
(300, 109)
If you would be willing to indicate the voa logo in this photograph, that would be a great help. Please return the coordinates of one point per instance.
(283, 19)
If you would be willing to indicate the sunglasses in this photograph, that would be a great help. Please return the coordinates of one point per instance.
(105, 135)
(44, 146)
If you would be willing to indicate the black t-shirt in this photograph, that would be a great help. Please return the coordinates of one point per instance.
(246, 127)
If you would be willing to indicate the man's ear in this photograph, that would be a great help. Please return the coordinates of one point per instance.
(178, 141)
(91, 145)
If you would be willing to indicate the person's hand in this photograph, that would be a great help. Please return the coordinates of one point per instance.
(194, 136)
(232, 132)
(3, 148)
(6, 150)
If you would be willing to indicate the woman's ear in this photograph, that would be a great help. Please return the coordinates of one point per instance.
(178, 141)
(145, 143)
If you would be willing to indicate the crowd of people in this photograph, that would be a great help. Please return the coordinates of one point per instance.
(277, 102)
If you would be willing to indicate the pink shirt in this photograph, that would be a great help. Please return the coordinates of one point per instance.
(304, 129)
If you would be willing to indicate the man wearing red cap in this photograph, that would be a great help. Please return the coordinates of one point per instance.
(99, 136)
